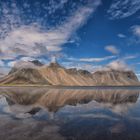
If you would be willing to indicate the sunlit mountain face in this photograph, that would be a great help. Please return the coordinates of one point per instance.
(87, 34)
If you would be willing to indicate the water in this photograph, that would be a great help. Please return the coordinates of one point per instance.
(72, 114)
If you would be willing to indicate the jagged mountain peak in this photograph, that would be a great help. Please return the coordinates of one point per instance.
(54, 65)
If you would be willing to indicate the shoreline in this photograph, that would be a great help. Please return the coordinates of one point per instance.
(73, 87)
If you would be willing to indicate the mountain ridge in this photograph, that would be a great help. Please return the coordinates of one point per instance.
(34, 72)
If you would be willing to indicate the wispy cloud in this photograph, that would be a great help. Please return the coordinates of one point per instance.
(1, 63)
(92, 59)
(93, 64)
(122, 9)
(83, 66)
(3, 71)
(113, 49)
(138, 75)
(18, 39)
(130, 57)
(118, 65)
(136, 30)
(31, 41)
(138, 63)
(135, 35)
(121, 35)
(12, 63)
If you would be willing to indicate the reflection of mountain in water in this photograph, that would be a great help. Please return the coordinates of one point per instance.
(54, 99)
(73, 114)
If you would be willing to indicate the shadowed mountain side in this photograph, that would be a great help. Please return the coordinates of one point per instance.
(54, 99)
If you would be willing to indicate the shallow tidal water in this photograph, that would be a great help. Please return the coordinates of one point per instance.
(39, 113)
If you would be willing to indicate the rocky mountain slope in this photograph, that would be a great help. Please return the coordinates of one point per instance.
(58, 75)
(24, 76)
(115, 77)
(34, 72)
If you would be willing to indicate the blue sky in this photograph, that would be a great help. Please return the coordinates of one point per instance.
(87, 34)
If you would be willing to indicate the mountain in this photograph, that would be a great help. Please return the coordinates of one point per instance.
(25, 65)
(34, 72)
(58, 75)
(25, 73)
(115, 77)
(24, 76)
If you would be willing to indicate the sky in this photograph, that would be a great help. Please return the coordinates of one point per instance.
(86, 34)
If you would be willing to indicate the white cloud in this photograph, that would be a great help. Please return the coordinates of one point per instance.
(32, 40)
(83, 66)
(122, 9)
(14, 16)
(27, 59)
(11, 63)
(24, 62)
(118, 65)
(21, 64)
(136, 30)
(112, 49)
(121, 35)
(130, 57)
(4, 56)
(138, 63)
(1, 63)
(20, 61)
(138, 75)
(135, 37)
(3, 71)
(91, 59)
